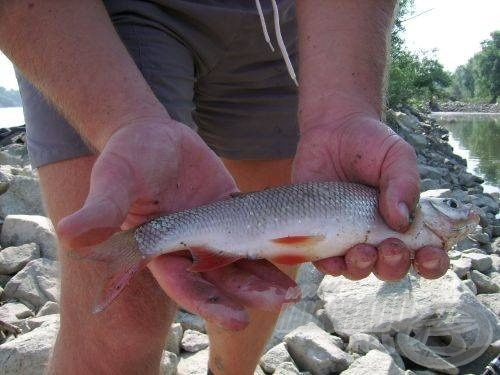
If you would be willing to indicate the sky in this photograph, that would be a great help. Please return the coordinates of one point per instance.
(454, 28)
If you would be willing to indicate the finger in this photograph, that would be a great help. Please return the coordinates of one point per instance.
(247, 288)
(431, 262)
(334, 266)
(399, 185)
(360, 261)
(197, 295)
(106, 205)
(393, 260)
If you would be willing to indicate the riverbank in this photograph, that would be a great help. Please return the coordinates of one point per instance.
(414, 326)
(467, 107)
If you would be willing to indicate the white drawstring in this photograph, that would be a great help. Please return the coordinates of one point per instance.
(279, 37)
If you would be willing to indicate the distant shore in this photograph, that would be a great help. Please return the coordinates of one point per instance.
(468, 107)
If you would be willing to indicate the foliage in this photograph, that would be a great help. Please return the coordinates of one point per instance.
(9, 98)
(413, 78)
(479, 78)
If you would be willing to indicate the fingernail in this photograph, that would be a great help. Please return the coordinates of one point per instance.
(393, 259)
(404, 211)
(432, 264)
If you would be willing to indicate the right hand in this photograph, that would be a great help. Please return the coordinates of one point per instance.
(153, 167)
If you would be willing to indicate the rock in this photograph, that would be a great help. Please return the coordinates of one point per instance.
(428, 357)
(470, 285)
(13, 311)
(481, 237)
(486, 201)
(454, 254)
(433, 173)
(194, 341)
(190, 321)
(418, 141)
(374, 362)
(495, 263)
(39, 321)
(474, 250)
(48, 308)
(428, 184)
(406, 121)
(35, 284)
(14, 154)
(286, 368)
(495, 246)
(174, 338)
(273, 357)
(480, 262)
(314, 350)
(28, 354)
(469, 180)
(483, 283)
(466, 244)
(373, 306)
(23, 192)
(193, 364)
(495, 230)
(461, 266)
(491, 301)
(168, 364)
(362, 343)
(14, 258)
(308, 278)
(4, 279)
(21, 229)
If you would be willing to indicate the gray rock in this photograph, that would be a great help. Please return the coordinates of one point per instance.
(491, 301)
(374, 362)
(486, 201)
(480, 262)
(407, 122)
(362, 343)
(20, 229)
(273, 357)
(28, 354)
(495, 263)
(190, 321)
(174, 338)
(193, 363)
(470, 285)
(473, 250)
(4, 279)
(495, 246)
(286, 368)
(314, 350)
(48, 308)
(14, 154)
(454, 254)
(484, 284)
(168, 364)
(467, 243)
(14, 258)
(481, 237)
(14, 311)
(418, 141)
(433, 173)
(39, 321)
(35, 284)
(461, 266)
(428, 184)
(194, 341)
(23, 192)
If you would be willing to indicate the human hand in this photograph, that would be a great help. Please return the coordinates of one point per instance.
(362, 149)
(153, 167)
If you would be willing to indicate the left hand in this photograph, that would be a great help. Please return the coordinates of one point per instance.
(362, 149)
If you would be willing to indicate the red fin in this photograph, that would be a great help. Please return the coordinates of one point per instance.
(208, 260)
(290, 259)
(298, 240)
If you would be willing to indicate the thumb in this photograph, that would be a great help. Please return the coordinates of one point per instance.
(106, 206)
(399, 186)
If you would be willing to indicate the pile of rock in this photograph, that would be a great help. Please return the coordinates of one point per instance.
(469, 107)
(414, 326)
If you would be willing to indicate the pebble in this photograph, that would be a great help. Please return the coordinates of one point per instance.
(194, 341)
(273, 357)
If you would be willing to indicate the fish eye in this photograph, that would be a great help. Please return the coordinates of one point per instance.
(451, 203)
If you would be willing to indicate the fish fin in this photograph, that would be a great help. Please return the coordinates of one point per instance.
(205, 259)
(298, 240)
(121, 254)
(289, 259)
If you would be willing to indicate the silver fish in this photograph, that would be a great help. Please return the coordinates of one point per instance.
(289, 224)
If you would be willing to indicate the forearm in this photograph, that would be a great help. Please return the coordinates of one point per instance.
(71, 52)
(343, 52)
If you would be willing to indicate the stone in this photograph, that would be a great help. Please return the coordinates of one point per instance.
(190, 321)
(28, 354)
(314, 350)
(374, 362)
(428, 184)
(466, 243)
(495, 263)
(491, 301)
(481, 237)
(168, 364)
(373, 306)
(433, 173)
(406, 121)
(273, 357)
(35, 284)
(461, 266)
(14, 154)
(14, 311)
(14, 258)
(479, 262)
(193, 363)
(39, 321)
(48, 308)
(484, 284)
(474, 250)
(308, 278)
(20, 229)
(22, 194)
(362, 343)
(495, 246)
(486, 201)
(454, 254)
(470, 285)
(286, 368)
(194, 341)
(418, 141)
(174, 338)
(4, 279)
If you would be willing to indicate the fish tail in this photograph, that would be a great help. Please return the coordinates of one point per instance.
(121, 254)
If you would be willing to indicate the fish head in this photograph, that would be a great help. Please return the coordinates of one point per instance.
(448, 218)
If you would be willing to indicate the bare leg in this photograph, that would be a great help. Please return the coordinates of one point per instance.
(249, 343)
(128, 337)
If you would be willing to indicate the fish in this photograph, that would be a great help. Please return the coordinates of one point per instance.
(290, 224)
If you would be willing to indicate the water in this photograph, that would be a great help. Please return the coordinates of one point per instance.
(476, 138)
(11, 116)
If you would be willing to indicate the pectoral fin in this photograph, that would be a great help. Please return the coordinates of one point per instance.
(208, 260)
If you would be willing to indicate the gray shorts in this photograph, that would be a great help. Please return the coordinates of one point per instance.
(209, 65)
